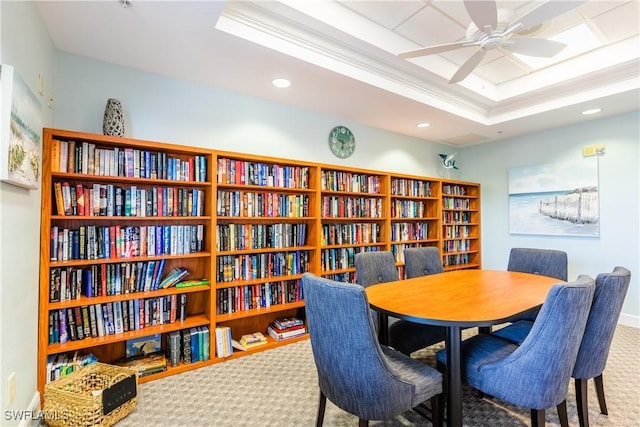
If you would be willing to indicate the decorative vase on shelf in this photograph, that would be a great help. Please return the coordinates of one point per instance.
(113, 122)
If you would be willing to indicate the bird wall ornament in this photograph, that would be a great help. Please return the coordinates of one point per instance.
(448, 161)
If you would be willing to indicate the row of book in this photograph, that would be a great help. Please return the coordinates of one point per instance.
(76, 199)
(242, 298)
(97, 320)
(256, 204)
(188, 345)
(455, 203)
(231, 237)
(346, 277)
(403, 231)
(242, 172)
(354, 233)
(62, 364)
(407, 209)
(351, 207)
(449, 217)
(457, 245)
(341, 258)
(410, 187)
(68, 283)
(261, 266)
(456, 231)
(286, 328)
(95, 242)
(456, 259)
(85, 158)
(458, 190)
(350, 181)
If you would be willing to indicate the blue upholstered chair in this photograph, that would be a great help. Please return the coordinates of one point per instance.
(611, 289)
(422, 261)
(404, 336)
(535, 374)
(546, 262)
(355, 372)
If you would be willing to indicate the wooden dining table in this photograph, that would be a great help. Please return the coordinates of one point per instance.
(458, 299)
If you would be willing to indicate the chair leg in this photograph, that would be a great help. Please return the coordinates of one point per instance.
(562, 414)
(363, 423)
(436, 412)
(600, 391)
(537, 418)
(582, 401)
(321, 407)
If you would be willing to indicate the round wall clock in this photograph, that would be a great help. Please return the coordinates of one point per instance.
(342, 142)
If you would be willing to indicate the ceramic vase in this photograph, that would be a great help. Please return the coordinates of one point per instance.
(113, 122)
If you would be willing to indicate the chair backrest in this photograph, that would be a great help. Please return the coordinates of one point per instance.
(375, 267)
(546, 262)
(611, 289)
(352, 370)
(537, 374)
(422, 261)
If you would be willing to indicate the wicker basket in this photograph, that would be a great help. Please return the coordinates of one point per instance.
(96, 395)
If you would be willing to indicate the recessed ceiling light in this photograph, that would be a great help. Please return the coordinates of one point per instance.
(423, 125)
(281, 83)
(591, 111)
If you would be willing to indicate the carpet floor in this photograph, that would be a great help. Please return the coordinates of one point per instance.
(279, 388)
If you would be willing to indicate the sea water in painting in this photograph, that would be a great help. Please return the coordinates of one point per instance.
(555, 199)
(21, 131)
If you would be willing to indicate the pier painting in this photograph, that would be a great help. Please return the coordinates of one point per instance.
(558, 199)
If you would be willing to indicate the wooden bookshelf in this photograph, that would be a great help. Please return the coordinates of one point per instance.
(114, 209)
(263, 223)
(460, 225)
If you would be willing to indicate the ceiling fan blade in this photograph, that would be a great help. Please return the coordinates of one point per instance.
(542, 13)
(468, 67)
(483, 13)
(424, 51)
(534, 47)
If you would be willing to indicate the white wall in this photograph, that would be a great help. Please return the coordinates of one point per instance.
(163, 109)
(27, 46)
(619, 192)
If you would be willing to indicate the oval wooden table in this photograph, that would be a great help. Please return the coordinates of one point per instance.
(458, 299)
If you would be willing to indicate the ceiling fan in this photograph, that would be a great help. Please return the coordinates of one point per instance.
(493, 28)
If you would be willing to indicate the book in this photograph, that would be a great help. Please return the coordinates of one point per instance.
(143, 346)
(255, 339)
(146, 365)
(173, 277)
(192, 282)
(287, 322)
(283, 334)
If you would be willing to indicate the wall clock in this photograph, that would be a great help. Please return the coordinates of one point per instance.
(342, 142)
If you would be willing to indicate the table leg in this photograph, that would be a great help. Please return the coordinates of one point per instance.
(454, 377)
(383, 328)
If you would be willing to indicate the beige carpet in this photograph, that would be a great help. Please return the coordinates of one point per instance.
(279, 388)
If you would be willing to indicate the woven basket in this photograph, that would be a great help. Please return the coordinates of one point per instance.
(82, 397)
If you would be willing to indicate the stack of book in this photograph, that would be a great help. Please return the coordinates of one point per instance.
(146, 365)
(249, 341)
(286, 328)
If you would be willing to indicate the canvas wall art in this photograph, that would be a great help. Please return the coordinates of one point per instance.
(20, 131)
(559, 199)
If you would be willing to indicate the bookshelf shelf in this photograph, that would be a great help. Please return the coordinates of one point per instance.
(259, 224)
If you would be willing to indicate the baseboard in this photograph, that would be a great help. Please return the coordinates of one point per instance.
(32, 417)
(629, 320)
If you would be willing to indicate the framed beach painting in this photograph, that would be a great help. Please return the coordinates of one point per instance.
(20, 131)
(559, 199)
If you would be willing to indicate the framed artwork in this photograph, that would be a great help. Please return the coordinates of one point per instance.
(20, 131)
(559, 199)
